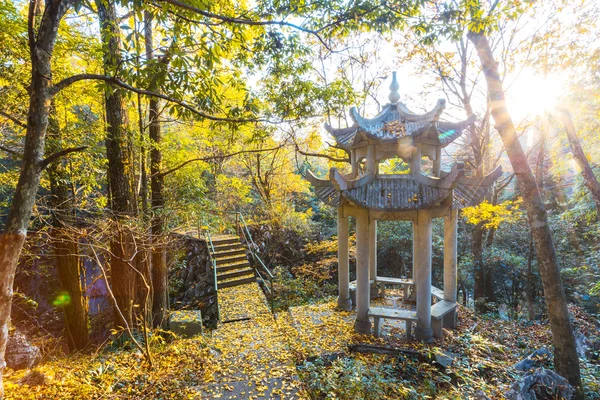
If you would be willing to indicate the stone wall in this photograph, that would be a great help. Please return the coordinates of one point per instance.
(191, 278)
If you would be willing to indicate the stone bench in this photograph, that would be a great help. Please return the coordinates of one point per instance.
(405, 283)
(437, 294)
(392, 313)
(439, 311)
(352, 290)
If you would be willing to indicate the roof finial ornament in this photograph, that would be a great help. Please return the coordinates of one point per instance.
(394, 86)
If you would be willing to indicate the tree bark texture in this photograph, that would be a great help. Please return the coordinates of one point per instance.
(15, 230)
(66, 248)
(160, 301)
(566, 360)
(479, 274)
(582, 162)
(530, 282)
(120, 170)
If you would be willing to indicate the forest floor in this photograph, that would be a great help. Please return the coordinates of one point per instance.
(303, 353)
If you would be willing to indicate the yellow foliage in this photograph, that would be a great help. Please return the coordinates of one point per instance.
(491, 216)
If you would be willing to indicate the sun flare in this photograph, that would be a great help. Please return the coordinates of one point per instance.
(531, 94)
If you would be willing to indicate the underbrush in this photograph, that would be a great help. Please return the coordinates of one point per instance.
(482, 351)
(116, 373)
(354, 378)
(299, 289)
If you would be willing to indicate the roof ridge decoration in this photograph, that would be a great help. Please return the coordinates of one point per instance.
(394, 86)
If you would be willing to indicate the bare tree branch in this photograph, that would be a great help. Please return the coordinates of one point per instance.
(117, 82)
(53, 157)
(327, 156)
(14, 120)
(10, 151)
(221, 157)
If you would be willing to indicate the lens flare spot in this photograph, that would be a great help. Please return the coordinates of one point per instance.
(62, 299)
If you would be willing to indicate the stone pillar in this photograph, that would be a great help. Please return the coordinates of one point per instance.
(450, 267)
(371, 159)
(422, 271)
(375, 292)
(437, 163)
(415, 161)
(413, 289)
(344, 302)
(362, 323)
(354, 163)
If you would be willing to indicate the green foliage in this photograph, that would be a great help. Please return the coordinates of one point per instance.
(350, 378)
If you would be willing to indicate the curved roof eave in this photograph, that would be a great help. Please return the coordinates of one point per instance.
(343, 136)
(450, 131)
(430, 116)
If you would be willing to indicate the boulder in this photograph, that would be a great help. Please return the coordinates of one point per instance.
(20, 354)
(445, 359)
(536, 359)
(186, 323)
(541, 384)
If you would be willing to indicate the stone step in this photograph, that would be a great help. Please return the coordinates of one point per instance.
(228, 253)
(230, 260)
(221, 240)
(235, 274)
(237, 282)
(231, 267)
(228, 246)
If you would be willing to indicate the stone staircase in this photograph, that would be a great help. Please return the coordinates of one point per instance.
(233, 266)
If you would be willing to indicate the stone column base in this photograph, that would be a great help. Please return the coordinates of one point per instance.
(344, 304)
(425, 335)
(362, 326)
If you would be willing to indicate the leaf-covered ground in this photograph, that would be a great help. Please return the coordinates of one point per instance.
(301, 354)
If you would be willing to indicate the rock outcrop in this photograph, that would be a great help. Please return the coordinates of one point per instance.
(541, 384)
(20, 354)
(537, 359)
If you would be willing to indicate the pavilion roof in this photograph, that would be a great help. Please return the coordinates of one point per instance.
(406, 192)
(395, 122)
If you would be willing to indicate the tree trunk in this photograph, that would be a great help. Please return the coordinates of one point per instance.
(160, 300)
(143, 168)
(17, 222)
(479, 273)
(490, 295)
(566, 360)
(120, 170)
(584, 165)
(66, 248)
(530, 289)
